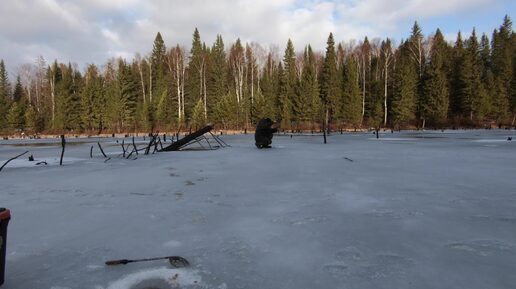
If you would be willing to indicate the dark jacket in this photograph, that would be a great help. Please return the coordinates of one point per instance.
(263, 134)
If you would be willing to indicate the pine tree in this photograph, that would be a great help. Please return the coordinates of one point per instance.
(330, 89)
(435, 83)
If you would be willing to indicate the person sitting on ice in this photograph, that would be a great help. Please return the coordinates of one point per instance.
(263, 134)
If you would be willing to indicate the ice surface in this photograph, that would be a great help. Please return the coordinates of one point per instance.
(409, 210)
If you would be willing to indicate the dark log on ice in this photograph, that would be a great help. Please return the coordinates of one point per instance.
(12, 159)
(187, 139)
(63, 144)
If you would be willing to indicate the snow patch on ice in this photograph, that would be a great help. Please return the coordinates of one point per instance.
(172, 277)
(172, 243)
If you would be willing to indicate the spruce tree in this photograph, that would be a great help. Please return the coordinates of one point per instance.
(16, 116)
(18, 92)
(417, 54)
(330, 89)
(218, 86)
(5, 94)
(196, 66)
(93, 100)
(405, 88)
(435, 83)
(128, 98)
(307, 108)
(458, 74)
(502, 67)
(288, 89)
(477, 101)
(352, 100)
(269, 85)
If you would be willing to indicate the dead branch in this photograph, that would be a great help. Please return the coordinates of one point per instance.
(12, 159)
(123, 148)
(101, 150)
(134, 145)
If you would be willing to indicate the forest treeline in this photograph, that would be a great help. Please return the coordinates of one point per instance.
(422, 82)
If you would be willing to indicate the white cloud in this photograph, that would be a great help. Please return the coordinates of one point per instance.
(87, 31)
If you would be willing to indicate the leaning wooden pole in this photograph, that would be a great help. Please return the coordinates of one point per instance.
(63, 144)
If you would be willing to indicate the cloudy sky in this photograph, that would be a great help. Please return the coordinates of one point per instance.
(91, 31)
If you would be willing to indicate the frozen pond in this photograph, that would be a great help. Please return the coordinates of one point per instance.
(410, 210)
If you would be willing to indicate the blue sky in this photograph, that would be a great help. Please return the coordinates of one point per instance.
(92, 31)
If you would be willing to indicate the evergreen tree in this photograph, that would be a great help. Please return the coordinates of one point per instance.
(474, 97)
(93, 100)
(218, 77)
(405, 88)
(159, 86)
(288, 89)
(269, 85)
(31, 119)
(5, 93)
(417, 54)
(352, 100)
(330, 89)
(16, 117)
(502, 54)
(459, 75)
(16, 114)
(128, 98)
(18, 92)
(196, 68)
(435, 83)
(198, 120)
(307, 106)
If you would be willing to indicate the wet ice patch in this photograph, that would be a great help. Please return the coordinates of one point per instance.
(172, 243)
(157, 278)
(483, 247)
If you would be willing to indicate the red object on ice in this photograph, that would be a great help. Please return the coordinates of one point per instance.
(5, 214)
